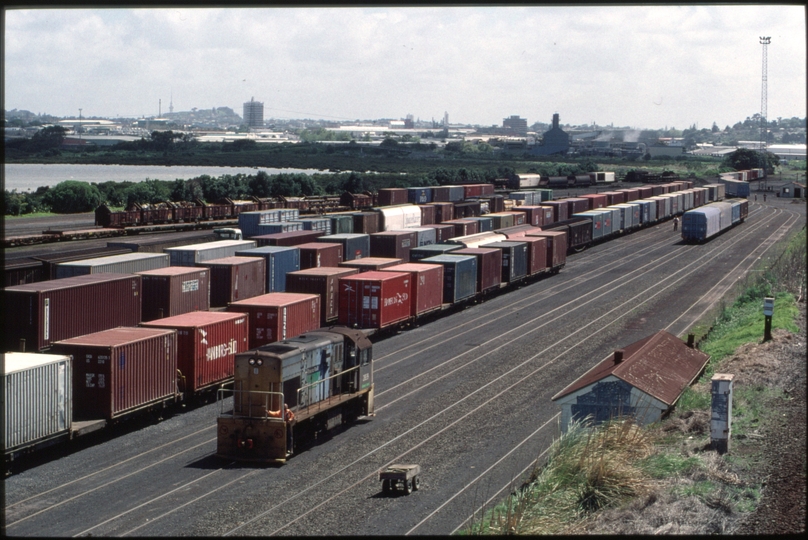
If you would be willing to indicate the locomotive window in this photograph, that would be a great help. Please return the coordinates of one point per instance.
(290, 388)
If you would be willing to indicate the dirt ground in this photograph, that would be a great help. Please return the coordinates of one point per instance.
(772, 456)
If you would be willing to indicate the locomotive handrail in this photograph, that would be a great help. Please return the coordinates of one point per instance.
(319, 403)
(262, 410)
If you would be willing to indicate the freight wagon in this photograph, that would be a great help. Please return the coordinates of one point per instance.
(701, 224)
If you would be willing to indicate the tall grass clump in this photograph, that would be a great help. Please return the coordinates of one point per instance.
(588, 468)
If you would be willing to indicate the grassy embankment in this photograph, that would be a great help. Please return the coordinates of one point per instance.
(589, 470)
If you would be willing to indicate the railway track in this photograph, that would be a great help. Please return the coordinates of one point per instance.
(467, 397)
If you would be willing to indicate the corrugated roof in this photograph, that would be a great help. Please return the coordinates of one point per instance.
(660, 365)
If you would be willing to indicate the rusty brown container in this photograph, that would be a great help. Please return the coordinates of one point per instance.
(556, 248)
(371, 264)
(393, 196)
(393, 244)
(466, 209)
(121, 370)
(207, 343)
(560, 209)
(489, 267)
(235, 278)
(443, 231)
(174, 290)
(427, 214)
(463, 227)
(427, 286)
(536, 254)
(317, 254)
(374, 299)
(576, 205)
(631, 194)
(614, 197)
(291, 238)
(366, 222)
(277, 316)
(536, 215)
(444, 211)
(324, 282)
(49, 311)
(646, 191)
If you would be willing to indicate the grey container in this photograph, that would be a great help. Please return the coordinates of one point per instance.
(419, 195)
(459, 276)
(514, 259)
(197, 253)
(280, 260)
(282, 227)
(354, 246)
(341, 224)
(484, 224)
(37, 399)
(597, 222)
(248, 222)
(316, 224)
(424, 236)
(419, 253)
(127, 263)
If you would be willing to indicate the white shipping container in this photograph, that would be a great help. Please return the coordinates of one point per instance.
(37, 399)
(192, 254)
(399, 217)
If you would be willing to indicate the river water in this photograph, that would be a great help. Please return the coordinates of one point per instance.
(28, 177)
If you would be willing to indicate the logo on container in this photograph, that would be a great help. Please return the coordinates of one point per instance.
(220, 351)
(398, 299)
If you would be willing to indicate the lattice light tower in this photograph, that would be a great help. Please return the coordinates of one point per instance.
(763, 103)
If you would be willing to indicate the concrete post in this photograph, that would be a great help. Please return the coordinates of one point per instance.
(721, 412)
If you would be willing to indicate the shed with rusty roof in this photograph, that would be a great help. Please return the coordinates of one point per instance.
(643, 380)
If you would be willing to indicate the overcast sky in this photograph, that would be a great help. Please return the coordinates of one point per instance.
(638, 66)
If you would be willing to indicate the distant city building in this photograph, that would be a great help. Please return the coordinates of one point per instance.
(254, 113)
(516, 124)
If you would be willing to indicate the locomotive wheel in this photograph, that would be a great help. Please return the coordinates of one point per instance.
(416, 483)
(408, 486)
(386, 486)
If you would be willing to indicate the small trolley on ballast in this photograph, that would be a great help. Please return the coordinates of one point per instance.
(400, 477)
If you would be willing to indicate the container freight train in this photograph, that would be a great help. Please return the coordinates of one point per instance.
(701, 224)
(288, 392)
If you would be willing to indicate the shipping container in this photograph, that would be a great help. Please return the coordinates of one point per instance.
(459, 276)
(207, 344)
(393, 245)
(316, 224)
(536, 254)
(702, 223)
(416, 254)
(278, 316)
(235, 278)
(596, 200)
(193, 254)
(556, 248)
(463, 227)
(477, 240)
(426, 286)
(576, 205)
(50, 311)
(366, 222)
(281, 227)
(341, 224)
(489, 267)
(291, 238)
(278, 261)
(419, 195)
(371, 264)
(424, 236)
(597, 222)
(121, 370)
(324, 282)
(354, 246)
(560, 209)
(484, 224)
(37, 400)
(443, 232)
(444, 211)
(448, 193)
(477, 190)
(127, 263)
(317, 254)
(399, 217)
(614, 197)
(174, 290)
(375, 299)
(536, 216)
(514, 259)
(393, 196)
(427, 214)
(467, 209)
(517, 231)
(248, 222)
(525, 198)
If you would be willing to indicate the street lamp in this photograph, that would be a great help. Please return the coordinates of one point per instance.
(79, 124)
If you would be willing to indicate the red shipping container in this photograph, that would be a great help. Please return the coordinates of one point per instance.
(174, 290)
(576, 205)
(427, 214)
(443, 231)
(370, 264)
(317, 254)
(614, 197)
(291, 238)
(596, 200)
(560, 209)
(392, 244)
(121, 370)
(207, 343)
(323, 281)
(426, 285)
(556, 248)
(393, 196)
(489, 266)
(463, 227)
(366, 222)
(536, 254)
(374, 299)
(235, 278)
(279, 315)
(49, 311)
(537, 215)
(646, 191)
(632, 194)
(444, 211)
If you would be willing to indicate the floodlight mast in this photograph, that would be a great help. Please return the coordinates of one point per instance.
(763, 104)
